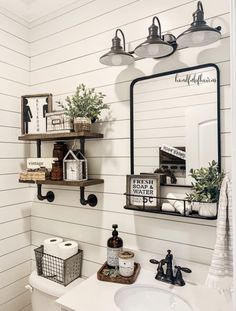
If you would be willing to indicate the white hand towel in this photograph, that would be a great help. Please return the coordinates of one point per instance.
(167, 207)
(178, 204)
(221, 269)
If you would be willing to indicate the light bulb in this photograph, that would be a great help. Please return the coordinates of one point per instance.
(116, 60)
(198, 37)
(153, 49)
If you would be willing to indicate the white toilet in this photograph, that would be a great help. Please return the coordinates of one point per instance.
(45, 292)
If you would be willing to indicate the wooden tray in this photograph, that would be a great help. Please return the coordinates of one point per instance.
(119, 279)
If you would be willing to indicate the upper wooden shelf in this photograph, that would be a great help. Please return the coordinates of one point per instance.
(76, 183)
(60, 136)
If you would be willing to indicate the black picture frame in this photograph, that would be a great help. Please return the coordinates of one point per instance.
(27, 114)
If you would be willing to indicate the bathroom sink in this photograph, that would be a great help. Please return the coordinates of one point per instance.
(149, 298)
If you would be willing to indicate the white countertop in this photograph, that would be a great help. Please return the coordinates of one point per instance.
(93, 294)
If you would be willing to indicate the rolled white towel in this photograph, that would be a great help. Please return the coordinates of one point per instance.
(167, 207)
(178, 205)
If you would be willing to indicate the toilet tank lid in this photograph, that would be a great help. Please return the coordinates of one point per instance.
(49, 287)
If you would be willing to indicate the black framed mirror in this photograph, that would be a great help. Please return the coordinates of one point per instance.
(175, 122)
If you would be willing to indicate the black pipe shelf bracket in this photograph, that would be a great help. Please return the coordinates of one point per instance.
(91, 200)
(49, 196)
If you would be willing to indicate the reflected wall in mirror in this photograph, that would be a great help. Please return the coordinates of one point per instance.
(175, 122)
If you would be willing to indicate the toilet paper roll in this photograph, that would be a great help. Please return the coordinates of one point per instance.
(51, 246)
(178, 205)
(67, 249)
(167, 207)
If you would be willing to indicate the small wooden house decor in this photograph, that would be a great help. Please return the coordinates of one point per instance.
(75, 166)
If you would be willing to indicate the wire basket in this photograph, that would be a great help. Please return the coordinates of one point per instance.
(62, 271)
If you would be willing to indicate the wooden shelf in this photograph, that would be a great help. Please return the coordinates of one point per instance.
(60, 136)
(79, 183)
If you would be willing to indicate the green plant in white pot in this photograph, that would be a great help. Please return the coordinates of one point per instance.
(205, 189)
(84, 107)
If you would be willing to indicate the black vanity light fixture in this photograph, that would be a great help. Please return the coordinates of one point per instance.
(117, 55)
(157, 45)
(199, 33)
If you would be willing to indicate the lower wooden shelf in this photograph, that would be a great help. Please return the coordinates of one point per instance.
(79, 183)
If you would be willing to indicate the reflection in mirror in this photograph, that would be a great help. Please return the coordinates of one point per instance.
(175, 122)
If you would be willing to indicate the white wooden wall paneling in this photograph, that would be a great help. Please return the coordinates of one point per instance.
(170, 13)
(14, 43)
(110, 76)
(79, 67)
(191, 234)
(89, 46)
(13, 103)
(13, 212)
(13, 290)
(14, 227)
(14, 59)
(99, 252)
(15, 242)
(14, 74)
(56, 14)
(142, 243)
(14, 274)
(14, 196)
(86, 11)
(12, 16)
(15, 257)
(19, 302)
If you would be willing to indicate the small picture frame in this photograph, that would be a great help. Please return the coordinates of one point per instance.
(33, 113)
(147, 189)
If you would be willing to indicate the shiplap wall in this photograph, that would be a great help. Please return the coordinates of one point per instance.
(15, 200)
(65, 51)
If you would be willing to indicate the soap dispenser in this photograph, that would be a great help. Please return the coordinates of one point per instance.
(114, 247)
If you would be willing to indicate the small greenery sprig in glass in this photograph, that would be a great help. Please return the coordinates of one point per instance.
(84, 103)
(207, 184)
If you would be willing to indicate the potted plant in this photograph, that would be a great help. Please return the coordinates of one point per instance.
(205, 189)
(84, 107)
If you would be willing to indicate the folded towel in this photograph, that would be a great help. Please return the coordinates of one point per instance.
(167, 207)
(221, 269)
(178, 204)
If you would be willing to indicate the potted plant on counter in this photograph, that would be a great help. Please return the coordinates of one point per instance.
(205, 189)
(84, 107)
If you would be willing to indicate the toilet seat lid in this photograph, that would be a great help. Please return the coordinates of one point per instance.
(49, 287)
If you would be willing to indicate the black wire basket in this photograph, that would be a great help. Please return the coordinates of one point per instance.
(62, 271)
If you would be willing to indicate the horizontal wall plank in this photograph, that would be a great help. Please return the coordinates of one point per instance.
(10, 181)
(96, 250)
(15, 257)
(14, 227)
(12, 212)
(14, 243)
(18, 303)
(168, 12)
(88, 10)
(148, 227)
(18, 272)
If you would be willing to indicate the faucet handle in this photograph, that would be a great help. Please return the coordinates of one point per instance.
(154, 261)
(184, 269)
(178, 277)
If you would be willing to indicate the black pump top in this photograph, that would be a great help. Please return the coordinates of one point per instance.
(115, 232)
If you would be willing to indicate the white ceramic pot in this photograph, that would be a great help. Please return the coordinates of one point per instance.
(207, 209)
(82, 124)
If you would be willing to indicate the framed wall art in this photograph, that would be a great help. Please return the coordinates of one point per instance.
(141, 192)
(33, 113)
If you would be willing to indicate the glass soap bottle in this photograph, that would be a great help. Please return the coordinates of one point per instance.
(114, 247)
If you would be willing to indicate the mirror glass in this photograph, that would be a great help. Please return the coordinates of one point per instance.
(175, 122)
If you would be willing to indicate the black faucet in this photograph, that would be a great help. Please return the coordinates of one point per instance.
(169, 277)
